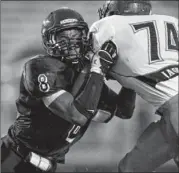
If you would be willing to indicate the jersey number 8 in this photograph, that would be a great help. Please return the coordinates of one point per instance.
(43, 83)
(153, 37)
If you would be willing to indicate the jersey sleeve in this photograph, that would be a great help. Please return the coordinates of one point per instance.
(43, 76)
(100, 33)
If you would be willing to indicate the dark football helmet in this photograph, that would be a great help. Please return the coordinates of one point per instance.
(125, 7)
(64, 35)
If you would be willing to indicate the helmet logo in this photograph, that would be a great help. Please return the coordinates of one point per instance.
(46, 22)
(68, 21)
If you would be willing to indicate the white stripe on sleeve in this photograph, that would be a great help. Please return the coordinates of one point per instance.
(49, 99)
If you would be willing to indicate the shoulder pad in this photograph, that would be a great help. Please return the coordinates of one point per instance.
(43, 75)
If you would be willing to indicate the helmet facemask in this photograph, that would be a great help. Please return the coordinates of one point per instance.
(69, 45)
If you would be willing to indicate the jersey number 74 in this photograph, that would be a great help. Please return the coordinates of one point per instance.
(153, 38)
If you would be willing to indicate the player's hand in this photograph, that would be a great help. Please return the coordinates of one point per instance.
(102, 64)
(108, 56)
(96, 64)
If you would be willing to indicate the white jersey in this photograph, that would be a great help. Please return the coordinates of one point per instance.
(147, 47)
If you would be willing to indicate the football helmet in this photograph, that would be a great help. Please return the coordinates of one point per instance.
(125, 7)
(64, 35)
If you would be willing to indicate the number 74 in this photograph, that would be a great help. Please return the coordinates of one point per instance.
(153, 37)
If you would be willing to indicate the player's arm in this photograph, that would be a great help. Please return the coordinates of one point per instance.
(51, 88)
(121, 105)
(125, 103)
(81, 108)
(102, 43)
(106, 106)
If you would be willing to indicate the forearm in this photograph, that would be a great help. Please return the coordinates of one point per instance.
(87, 101)
(122, 105)
(125, 103)
(106, 106)
(78, 110)
(61, 104)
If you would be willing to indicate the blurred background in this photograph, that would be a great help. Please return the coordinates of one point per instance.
(103, 145)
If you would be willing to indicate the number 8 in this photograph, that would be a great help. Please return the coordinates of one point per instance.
(43, 83)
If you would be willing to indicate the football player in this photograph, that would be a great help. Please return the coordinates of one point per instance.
(55, 105)
(147, 49)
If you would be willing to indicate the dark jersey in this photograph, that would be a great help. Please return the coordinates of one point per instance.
(36, 126)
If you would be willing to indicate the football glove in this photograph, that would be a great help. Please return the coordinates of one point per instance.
(108, 56)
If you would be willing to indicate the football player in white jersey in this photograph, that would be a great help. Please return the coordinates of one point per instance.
(147, 49)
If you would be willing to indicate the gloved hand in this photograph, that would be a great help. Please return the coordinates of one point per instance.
(108, 56)
(105, 58)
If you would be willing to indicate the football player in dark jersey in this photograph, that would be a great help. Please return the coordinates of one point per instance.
(60, 93)
(55, 105)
